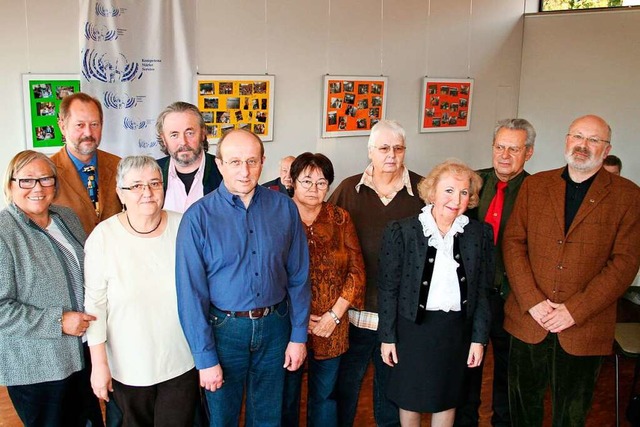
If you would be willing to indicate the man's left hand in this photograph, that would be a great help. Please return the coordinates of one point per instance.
(559, 319)
(294, 355)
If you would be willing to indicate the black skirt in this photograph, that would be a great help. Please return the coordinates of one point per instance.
(432, 358)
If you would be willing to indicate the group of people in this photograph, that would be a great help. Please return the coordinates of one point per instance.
(175, 289)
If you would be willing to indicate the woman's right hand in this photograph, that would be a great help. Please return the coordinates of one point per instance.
(76, 323)
(388, 353)
(101, 381)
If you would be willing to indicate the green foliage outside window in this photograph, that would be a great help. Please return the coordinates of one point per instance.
(550, 5)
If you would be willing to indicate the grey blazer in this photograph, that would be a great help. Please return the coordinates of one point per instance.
(35, 289)
(402, 262)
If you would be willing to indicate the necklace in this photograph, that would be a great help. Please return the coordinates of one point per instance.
(143, 232)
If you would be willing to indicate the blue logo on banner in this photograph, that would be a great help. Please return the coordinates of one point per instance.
(133, 123)
(118, 101)
(99, 34)
(108, 69)
(102, 10)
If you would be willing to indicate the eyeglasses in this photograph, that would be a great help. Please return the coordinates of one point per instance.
(321, 184)
(398, 149)
(236, 163)
(513, 150)
(591, 140)
(139, 188)
(28, 183)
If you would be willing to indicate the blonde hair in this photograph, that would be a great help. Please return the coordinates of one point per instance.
(454, 167)
(18, 162)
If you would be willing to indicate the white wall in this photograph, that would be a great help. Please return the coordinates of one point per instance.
(299, 41)
(582, 63)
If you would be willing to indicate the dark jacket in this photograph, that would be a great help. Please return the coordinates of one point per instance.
(402, 263)
(489, 179)
(211, 178)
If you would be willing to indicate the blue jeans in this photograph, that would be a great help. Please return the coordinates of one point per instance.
(250, 352)
(322, 409)
(363, 347)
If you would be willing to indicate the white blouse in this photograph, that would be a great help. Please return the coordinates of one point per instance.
(444, 292)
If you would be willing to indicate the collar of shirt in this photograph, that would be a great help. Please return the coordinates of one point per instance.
(176, 197)
(492, 180)
(235, 200)
(367, 179)
(79, 165)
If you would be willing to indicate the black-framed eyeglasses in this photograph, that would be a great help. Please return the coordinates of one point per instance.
(576, 137)
(321, 184)
(140, 187)
(398, 149)
(29, 183)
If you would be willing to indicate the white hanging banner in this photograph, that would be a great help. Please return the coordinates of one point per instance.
(137, 58)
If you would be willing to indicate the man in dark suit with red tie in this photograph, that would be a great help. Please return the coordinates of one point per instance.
(513, 141)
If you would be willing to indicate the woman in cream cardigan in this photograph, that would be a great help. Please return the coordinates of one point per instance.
(137, 346)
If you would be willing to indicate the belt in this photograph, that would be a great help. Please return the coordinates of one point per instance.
(256, 313)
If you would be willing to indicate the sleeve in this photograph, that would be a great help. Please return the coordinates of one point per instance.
(299, 283)
(18, 318)
(516, 255)
(482, 313)
(389, 277)
(620, 270)
(192, 289)
(336, 197)
(95, 286)
(354, 287)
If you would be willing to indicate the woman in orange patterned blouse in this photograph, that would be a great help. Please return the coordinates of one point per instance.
(337, 282)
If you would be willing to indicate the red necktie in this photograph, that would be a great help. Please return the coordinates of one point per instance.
(494, 213)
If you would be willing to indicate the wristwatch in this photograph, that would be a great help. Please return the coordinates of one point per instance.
(335, 317)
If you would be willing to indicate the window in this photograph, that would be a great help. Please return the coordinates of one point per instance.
(553, 5)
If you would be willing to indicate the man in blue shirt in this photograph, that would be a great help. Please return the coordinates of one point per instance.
(243, 289)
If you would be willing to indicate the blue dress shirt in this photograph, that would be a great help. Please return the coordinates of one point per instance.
(84, 177)
(239, 259)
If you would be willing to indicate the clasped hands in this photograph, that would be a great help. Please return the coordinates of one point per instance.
(552, 316)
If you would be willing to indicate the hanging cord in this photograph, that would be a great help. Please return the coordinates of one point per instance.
(427, 39)
(26, 24)
(266, 38)
(382, 38)
(469, 40)
(327, 48)
(197, 41)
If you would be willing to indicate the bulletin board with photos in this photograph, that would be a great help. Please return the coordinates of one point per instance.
(42, 95)
(445, 104)
(236, 102)
(352, 104)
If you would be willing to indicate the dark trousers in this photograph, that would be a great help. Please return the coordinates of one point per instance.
(170, 403)
(364, 346)
(68, 402)
(467, 414)
(535, 367)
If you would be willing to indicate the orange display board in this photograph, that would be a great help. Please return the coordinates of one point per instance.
(445, 105)
(352, 104)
